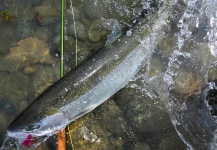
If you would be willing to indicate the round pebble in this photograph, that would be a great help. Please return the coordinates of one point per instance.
(80, 31)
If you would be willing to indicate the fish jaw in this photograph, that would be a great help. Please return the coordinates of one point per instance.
(24, 140)
(48, 126)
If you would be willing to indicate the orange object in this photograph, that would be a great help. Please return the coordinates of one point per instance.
(61, 140)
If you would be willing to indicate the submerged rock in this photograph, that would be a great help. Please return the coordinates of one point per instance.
(7, 107)
(95, 9)
(43, 78)
(81, 32)
(148, 117)
(187, 84)
(43, 33)
(141, 146)
(36, 2)
(101, 29)
(69, 14)
(212, 73)
(7, 35)
(27, 53)
(25, 28)
(97, 31)
(170, 143)
(14, 87)
(14, 91)
(87, 134)
(46, 15)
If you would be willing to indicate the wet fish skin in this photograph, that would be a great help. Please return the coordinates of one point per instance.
(83, 88)
(87, 86)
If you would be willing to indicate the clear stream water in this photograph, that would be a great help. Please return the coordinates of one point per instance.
(184, 86)
(179, 82)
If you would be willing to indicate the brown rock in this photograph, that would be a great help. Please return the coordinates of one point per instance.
(188, 84)
(27, 53)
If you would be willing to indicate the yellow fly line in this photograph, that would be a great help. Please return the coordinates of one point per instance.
(76, 60)
(75, 32)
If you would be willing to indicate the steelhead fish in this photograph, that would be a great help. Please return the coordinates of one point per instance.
(89, 85)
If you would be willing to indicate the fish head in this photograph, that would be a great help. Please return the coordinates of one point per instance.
(25, 135)
(28, 121)
(30, 131)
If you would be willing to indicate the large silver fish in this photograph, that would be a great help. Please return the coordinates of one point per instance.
(89, 85)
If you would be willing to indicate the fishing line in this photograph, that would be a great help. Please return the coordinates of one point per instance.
(62, 40)
(76, 62)
(76, 39)
(61, 135)
(70, 138)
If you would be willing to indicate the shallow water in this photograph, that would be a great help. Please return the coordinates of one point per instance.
(180, 74)
(184, 84)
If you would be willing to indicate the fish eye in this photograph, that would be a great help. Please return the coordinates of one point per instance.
(32, 127)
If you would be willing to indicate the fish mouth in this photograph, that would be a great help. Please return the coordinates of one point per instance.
(22, 141)
(31, 141)
(9, 143)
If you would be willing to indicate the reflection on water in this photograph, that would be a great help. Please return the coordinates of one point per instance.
(184, 85)
(181, 74)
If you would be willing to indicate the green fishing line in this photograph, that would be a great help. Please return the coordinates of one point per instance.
(62, 51)
(62, 40)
